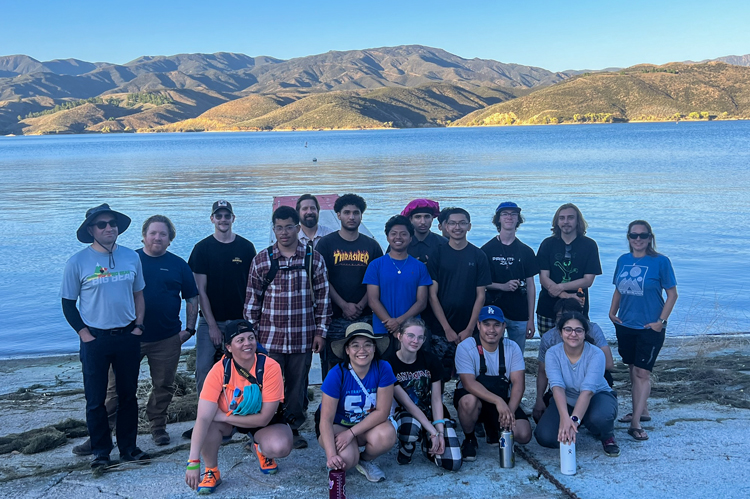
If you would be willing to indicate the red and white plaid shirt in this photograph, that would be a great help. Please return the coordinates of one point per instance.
(286, 321)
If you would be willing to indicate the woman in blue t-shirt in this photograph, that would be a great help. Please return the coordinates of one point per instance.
(640, 315)
(357, 398)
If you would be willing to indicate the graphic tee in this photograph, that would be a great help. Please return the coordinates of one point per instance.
(398, 291)
(514, 261)
(347, 262)
(458, 273)
(417, 378)
(353, 406)
(167, 278)
(566, 263)
(226, 267)
(106, 294)
(641, 282)
(213, 391)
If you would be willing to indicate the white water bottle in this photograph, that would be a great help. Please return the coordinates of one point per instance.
(568, 458)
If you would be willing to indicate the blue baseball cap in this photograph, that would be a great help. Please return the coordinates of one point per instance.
(508, 205)
(491, 312)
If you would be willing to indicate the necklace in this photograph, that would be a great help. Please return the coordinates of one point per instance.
(397, 267)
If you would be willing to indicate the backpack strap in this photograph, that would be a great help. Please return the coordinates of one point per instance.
(259, 369)
(482, 362)
(309, 268)
(270, 275)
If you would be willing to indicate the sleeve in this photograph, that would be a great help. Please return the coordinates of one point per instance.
(71, 283)
(197, 262)
(372, 274)
(251, 252)
(387, 378)
(377, 251)
(332, 384)
(484, 277)
(139, 283)
(323, 310)
(424, 274)
(542, 255)
(513, 362)
(253, 291)
(666, 274)
(618, 266)
(593, 263)
(273, 382)
(189, 288)
(553, 368)
(435, 367)
(212, 386)
(322, 248)
(598, 335)
(530, 265)
(464, 359)
(594, 370)
(72, 315)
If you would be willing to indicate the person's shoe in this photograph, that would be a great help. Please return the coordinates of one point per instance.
(160, 437)
(188, 434)
(371, 471)
(493, 438)
(211, 480)
(134, 456)
(403, 458)
(83, 449)
(610, 447)
(267, 464)
(479, 430)
(298, 441)
(100, 462)
(469, 450)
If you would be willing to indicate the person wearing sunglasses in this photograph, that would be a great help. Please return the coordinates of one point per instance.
(582, 397)
(106, 281)
(639, 313)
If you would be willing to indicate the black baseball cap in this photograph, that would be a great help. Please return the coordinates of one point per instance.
(221, 204)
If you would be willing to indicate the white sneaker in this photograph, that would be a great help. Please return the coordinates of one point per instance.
(371, 471)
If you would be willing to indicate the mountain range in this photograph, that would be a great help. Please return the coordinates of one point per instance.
(404, 86)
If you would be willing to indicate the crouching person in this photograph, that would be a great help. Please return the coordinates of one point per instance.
(485, 393)
(242, 392)
(357, 398)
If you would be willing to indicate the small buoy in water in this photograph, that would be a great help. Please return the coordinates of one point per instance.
(315, 160)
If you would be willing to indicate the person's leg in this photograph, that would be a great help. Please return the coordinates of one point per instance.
(336, 331)
(295, 367)
(601, 414)
(548, 427)
(350, 454)
(544, 324)
(516, 331)
(450, 459)
(409, 430)
(377, 440)
(468, 408)
(274, 441)
(111, 401)
(204, 353)
(649, 345)
(641, 380)
(163, 357)
(95, 362)
(126, 365)
(522, 431)
(212, 442)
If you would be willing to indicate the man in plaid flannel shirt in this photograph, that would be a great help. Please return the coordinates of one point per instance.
(292, 316)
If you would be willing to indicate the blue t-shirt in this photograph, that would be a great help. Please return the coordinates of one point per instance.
(640, 282)
(353, 406)
(398, 292)
(167, 277)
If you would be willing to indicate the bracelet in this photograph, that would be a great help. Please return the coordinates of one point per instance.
(193, 467)
(194, 461)
(439, 421)
(355, 436)
(434, 435)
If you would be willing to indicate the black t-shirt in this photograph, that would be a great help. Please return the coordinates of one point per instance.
(458, 273)
(417, 378)
(515, 261)
(226, 266)
(347, 262)
(565, 265)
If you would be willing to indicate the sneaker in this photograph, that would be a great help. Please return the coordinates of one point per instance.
(610, 447)
(160, 437)
(134, 456)
(493, 438)
(370, 470)
(267, 464)
(188, 434)
(403, 458)
(298, 441)
(479, 430)
(100, 462)
(211, 480)
(83, 449)
(469, 450)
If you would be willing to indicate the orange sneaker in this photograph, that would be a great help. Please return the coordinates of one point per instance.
(211, 480)
(267, 464)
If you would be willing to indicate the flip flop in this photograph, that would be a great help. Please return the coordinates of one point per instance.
(627, 418)
(638, 433)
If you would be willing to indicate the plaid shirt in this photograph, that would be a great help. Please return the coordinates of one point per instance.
(286, 321)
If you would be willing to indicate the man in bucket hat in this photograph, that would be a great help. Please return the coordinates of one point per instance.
(106, 280)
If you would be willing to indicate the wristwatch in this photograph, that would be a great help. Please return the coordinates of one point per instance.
(190, 331)
(575, 420)
(663, 322)
(141, 327)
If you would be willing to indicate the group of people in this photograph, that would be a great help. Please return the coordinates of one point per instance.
(390, 328)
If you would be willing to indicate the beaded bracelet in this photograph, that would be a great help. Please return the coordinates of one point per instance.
(194, 461)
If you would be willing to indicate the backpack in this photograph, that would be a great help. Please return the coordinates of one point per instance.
(271, 275)
(260, 362)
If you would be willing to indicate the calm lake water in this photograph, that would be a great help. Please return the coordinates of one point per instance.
(690, 180)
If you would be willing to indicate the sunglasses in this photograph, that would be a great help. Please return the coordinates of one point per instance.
(219, 216)
(102, 224)
(639, 235)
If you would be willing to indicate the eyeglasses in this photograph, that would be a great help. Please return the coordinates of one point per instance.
(286, 229)
(639, 235)
(452, 223)
(366, 347)
(414, 337)
(102, 224)
(571, 330)
(219, 216)
(509, 214)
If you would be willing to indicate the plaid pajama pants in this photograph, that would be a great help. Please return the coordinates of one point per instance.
(410, 432)
(544, 324)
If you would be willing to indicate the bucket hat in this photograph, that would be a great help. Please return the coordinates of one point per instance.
(123, 222)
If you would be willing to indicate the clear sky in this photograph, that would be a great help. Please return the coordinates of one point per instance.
(555, 35)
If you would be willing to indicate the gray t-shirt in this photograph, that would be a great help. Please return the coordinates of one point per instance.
(105, 295)
(467, 359)
(552, 337)
(586, 374)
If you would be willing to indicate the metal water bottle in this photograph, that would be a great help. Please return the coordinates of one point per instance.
(337, 484)
(507, 449)
(568, 458)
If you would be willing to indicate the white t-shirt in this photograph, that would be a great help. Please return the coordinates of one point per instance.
(467, 359)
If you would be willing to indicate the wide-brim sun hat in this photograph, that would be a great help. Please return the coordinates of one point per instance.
(123, 222)
(359, 329)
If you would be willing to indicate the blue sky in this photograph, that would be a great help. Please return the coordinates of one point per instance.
(555, 35)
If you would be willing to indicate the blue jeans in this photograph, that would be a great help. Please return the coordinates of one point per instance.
(599, 420)
(517, 332)
(123, 353)
(206, 353)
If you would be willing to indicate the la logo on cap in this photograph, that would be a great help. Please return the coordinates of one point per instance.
(490, 311)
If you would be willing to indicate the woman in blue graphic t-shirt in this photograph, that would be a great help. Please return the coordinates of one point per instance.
(640, 314)
(357, 398)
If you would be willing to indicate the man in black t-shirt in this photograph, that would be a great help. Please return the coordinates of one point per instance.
(220, 264)
(513, 266)
(568, 261)
(347, 254)
(421, 213)
(460, 273)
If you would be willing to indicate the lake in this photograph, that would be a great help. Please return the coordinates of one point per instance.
(689, 180)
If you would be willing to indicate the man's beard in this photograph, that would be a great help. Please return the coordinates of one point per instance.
(310, 222)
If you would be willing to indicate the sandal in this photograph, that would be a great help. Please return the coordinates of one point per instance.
(627, 418)
(638, 433)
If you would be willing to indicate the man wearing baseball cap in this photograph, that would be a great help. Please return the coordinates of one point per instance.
(491, 385)
(106, 281)
(421, 213)
(220, 264)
